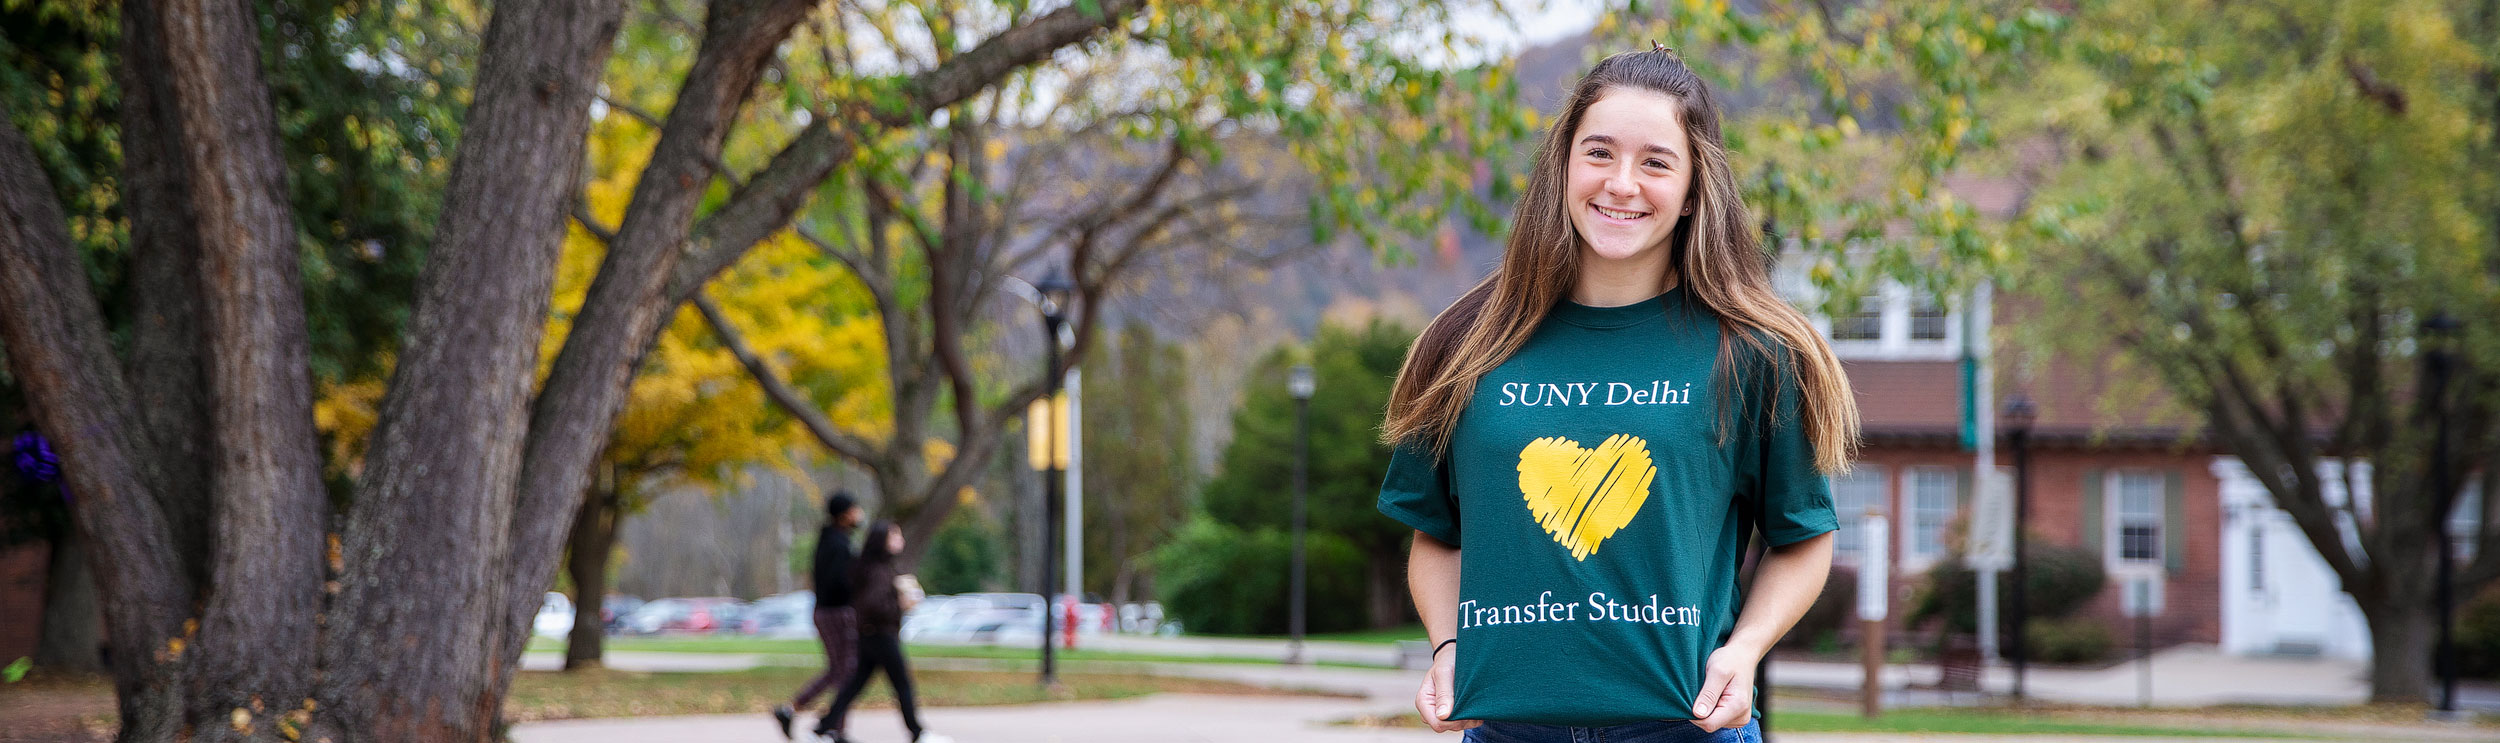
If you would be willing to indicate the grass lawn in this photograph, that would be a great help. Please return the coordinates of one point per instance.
(1375, 636)
(809, 648)
(608, 693)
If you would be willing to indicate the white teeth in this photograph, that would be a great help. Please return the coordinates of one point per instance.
(1618, 214)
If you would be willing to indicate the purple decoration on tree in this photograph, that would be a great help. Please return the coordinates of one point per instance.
(35, 459)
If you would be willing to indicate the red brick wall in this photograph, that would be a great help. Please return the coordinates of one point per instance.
(2192, 611)
(21, 598)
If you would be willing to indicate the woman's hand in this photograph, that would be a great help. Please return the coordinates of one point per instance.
(1726, 699)
(1439, 691)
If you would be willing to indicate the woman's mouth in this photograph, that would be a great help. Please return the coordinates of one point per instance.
(1618, 213)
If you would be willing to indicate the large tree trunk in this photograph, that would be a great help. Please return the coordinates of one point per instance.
(425, 578)
(59, 353)
(165, 361)
(621, 317)
(2402, 634)
(1385, 601)
(265, 484)
(594, 538)
(73, 622)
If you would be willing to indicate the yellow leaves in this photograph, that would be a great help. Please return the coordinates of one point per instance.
(241, 720)
(345, 414)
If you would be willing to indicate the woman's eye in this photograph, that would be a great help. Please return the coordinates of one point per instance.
(1661, 165)
(1599, 153)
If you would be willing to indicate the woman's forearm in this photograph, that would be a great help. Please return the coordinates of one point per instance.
(1432, 576)
(1789, 580)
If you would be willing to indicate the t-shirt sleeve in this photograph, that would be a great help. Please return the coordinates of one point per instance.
(1417, 492)
(1793, 499)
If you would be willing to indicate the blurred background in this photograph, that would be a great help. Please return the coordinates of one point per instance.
(2194, 307)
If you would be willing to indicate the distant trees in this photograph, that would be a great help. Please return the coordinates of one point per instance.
(1245, 522)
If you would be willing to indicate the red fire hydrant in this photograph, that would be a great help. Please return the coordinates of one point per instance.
(1071, 623)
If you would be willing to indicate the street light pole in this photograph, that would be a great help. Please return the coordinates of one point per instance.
(1054, 289)
(2019, 413)
(1301, 383)
(2441, 330)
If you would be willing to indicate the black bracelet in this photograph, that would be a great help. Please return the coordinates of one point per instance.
(1436, 649)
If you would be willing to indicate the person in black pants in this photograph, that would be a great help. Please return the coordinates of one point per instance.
(880, 632)
(837, 624)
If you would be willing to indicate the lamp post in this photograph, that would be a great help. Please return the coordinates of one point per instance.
(2018, 415)
(2437, 365)
(1055, 290)
(1301, 383)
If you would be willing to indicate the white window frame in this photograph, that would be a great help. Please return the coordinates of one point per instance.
(2114, 518)
(1848, 547)
(1920, 514)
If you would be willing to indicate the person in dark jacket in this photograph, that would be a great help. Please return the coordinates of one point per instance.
(881, 610)
(837, 623)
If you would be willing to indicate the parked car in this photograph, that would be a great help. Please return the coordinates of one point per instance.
(555, 616)
(614, 608)
(789, 615)
(709, 614)
(655, 615)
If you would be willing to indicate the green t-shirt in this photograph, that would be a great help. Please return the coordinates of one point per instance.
(1601, 517)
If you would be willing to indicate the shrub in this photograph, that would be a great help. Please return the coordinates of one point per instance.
(2478, 635)
(2069, 640)
(1223, 580)
(2063, 580)
(964, 555)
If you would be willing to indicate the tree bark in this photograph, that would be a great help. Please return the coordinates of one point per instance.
(72, 637)
(265, 488)
(2401, 639)
(592, 542)
(621, 317)
(1386, 602)
(426, 574)
(165, 362)
(59, 354)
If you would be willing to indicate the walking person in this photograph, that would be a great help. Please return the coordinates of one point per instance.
(881, 606)
(1585, 441)
(837, 623)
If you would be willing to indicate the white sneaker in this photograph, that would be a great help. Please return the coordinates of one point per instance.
(934, 738)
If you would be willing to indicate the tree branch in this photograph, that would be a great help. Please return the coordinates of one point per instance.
(60, 354)
(790, 399)
(774, 194)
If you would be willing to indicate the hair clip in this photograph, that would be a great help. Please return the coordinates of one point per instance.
(1658, 47)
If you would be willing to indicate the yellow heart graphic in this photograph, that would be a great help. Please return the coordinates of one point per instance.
(1581, 496)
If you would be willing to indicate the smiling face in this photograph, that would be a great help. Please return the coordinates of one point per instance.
(1629, 173)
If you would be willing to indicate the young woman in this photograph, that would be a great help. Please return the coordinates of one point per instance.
(1585, 441)
(881, 607)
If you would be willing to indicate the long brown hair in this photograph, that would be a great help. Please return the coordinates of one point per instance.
(1715, 250)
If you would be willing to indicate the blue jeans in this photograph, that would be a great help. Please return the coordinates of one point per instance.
(1655, 731)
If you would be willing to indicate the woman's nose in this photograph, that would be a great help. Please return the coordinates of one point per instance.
(1620, 184)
